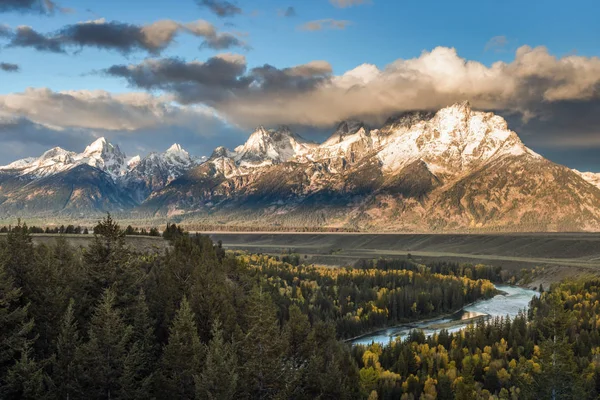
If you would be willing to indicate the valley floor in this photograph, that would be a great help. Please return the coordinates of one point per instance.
(559, 255)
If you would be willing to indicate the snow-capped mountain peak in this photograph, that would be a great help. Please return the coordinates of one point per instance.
(176, 149)
(105, 156)
(268, 146)
(56, 153)
(97, 146)
(156, 170)
(344, 129)
(591, 177)
(133, 161)
(455, 139)
(100, 154)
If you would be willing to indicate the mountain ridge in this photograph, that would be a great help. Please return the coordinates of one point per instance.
(451, 170)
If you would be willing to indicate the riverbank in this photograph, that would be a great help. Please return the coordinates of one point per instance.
(510, 304)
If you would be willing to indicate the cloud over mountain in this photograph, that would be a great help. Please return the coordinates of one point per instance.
(37, 118)
(310, 94)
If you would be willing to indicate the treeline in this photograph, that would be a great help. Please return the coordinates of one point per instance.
(195, 322)
(360, 300)
(265, 228)
(131, 231)
(479, 271)
(104, 322)
(552, 352)
(58, 230)
(171, 230)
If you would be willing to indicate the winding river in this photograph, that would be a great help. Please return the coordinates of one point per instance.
(510, 304)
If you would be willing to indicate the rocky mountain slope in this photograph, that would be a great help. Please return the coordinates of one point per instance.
(453, 170)
(155, 171)
(457, 169)
(99, 179)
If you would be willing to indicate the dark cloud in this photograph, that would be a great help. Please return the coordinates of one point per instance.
(8, 67)
(5, 31)
(122, 37)
(221, 78)
(300, 78)
(22, 137)
(223, 41)
(115, 35)
(325, 24)
(191, 82)
(25, 36)
(221, 8)
(28, 6)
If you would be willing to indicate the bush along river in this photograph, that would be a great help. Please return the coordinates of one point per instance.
(512, 300)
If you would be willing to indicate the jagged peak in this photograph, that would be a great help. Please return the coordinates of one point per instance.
(220, 151)
(177, 151)
(133, 161)
(97, 145)
(350, 125)
(407, 119)
(101, 146)
(175, 147)
(344, 129)
(55, 152)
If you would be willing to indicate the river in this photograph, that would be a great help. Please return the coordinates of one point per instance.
(510, 304)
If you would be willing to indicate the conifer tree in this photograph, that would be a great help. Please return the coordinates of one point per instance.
(219, 377)
(108, 262)
(559, 379)
(25, 380)
(17, 254)
(182, 356)
(103, 356)
(15, 324)
(138, 370)
(263, 347)
(64, 365)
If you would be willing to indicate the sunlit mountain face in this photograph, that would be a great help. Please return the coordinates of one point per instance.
(456, 169)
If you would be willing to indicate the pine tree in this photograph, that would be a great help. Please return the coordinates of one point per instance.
(138, 371)
(219, 377)
(263, 348)
(299, 344)
(17, 254)
(558, 379)
(109, 265)
(64, 368)
(103, 356)
(296, 333)
(15, 324)
(182, 356)
(25, 380)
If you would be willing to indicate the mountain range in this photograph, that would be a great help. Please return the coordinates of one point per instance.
(456, 169)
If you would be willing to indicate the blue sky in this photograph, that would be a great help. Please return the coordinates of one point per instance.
(380, 32)
(377, 32)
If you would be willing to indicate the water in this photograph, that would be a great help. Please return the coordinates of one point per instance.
(510, 304)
